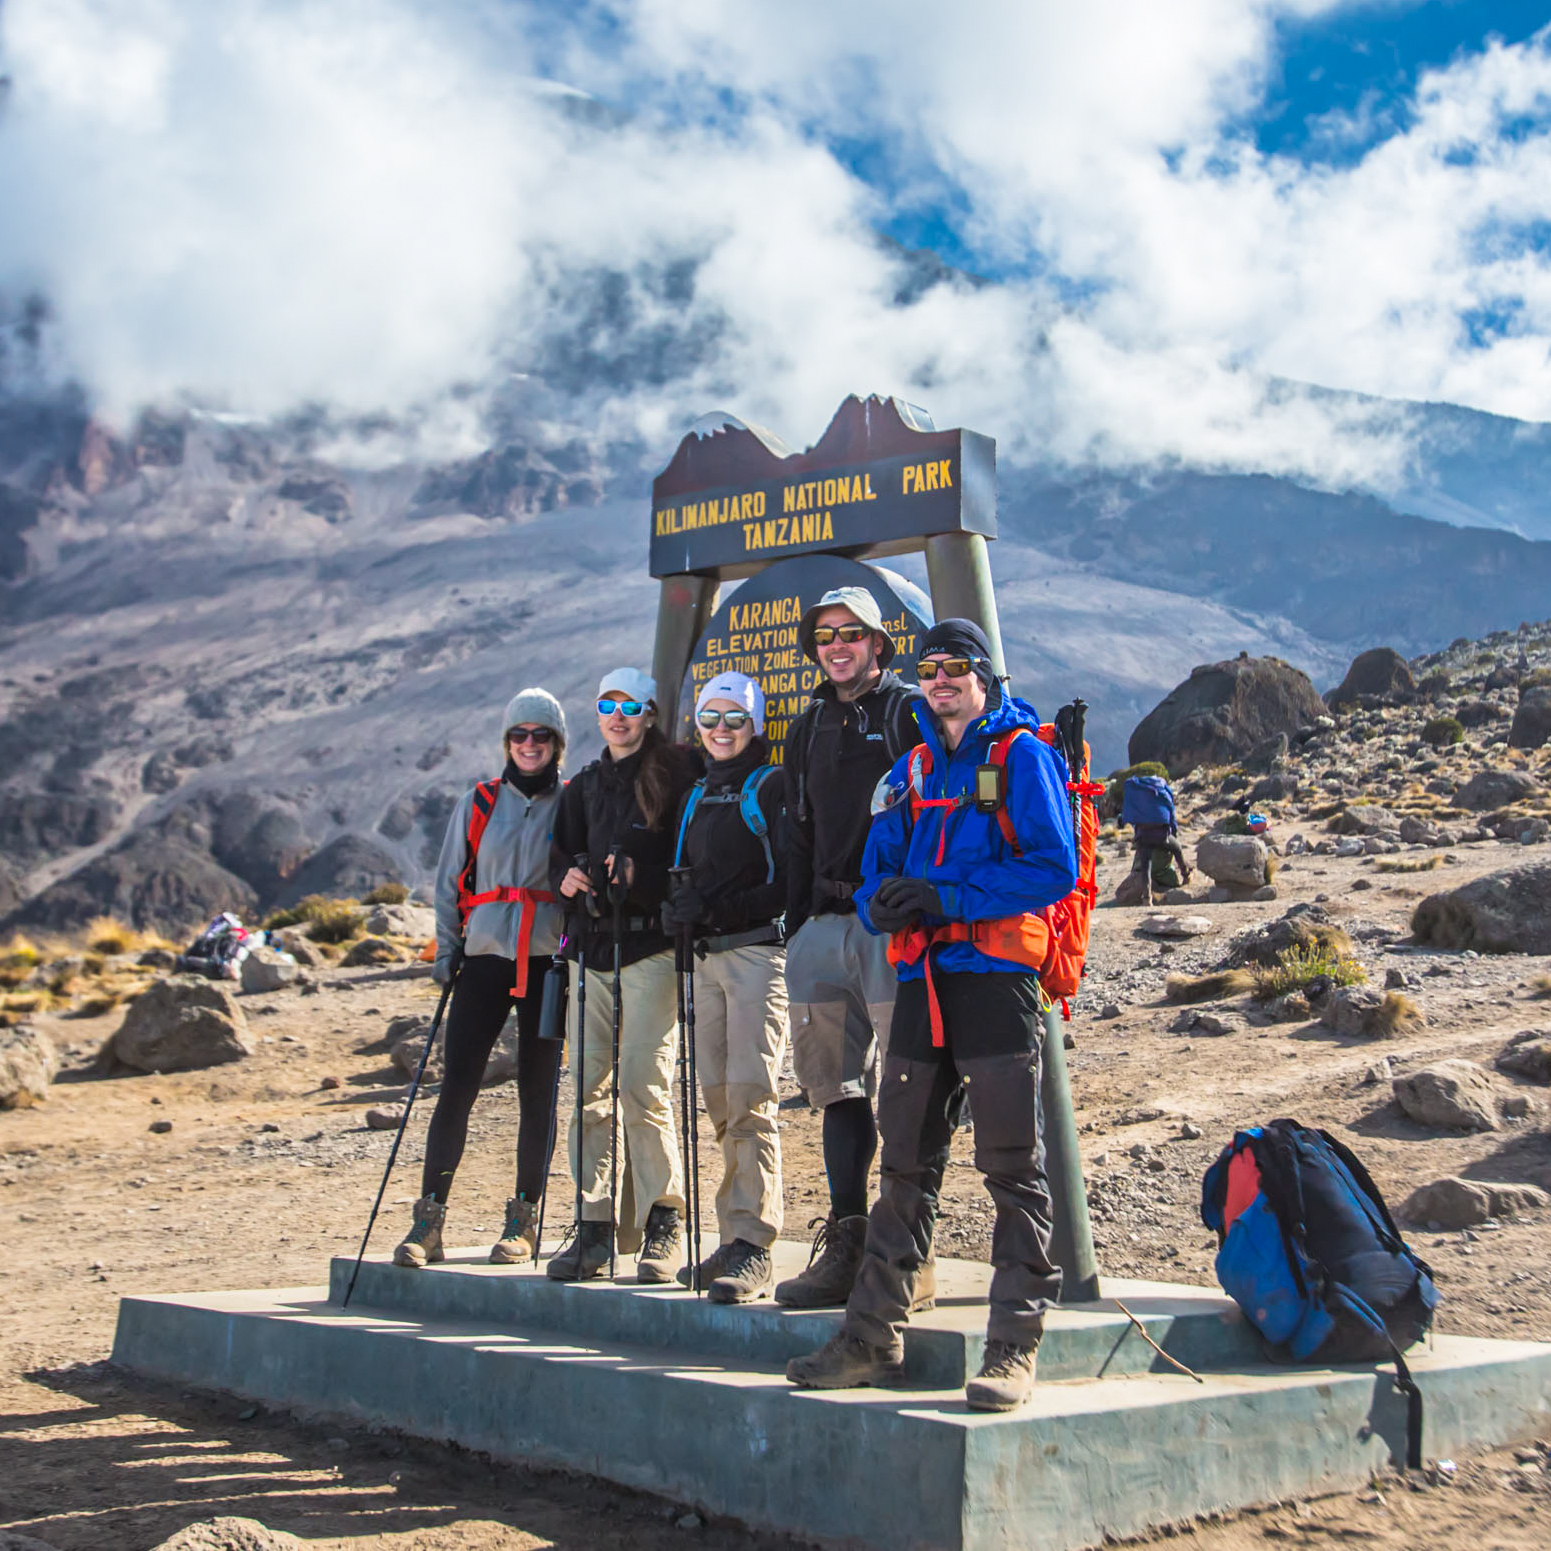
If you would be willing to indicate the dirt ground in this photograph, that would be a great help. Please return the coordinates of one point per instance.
(266, 1172)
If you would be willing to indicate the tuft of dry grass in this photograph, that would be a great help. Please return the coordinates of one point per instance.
(328, 920)
(1540, 987)
(1420, 864)
(95, 1006)
(1188, 989)
(109, 935)
(387, 894)
(1297, 966)
(1397, 1016)
(18, 958)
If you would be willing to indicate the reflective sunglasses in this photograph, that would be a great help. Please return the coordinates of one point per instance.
(850, 634)
(954, 667)
(731, 720)
(631, 708)
(538, 735)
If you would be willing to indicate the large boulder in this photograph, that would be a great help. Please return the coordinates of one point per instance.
(1378, 675)
(417, 921)
(347, 867)
(370, 951)
(1223, 711)
(1531, 727)
(1451, 1203)
(1503, 912)
(1235, 861)
(182, 1024)
(266, 970)
(1528, 1055)
(28, 1062)
(1365, 818)
(1458, 1094)
(1488, 789)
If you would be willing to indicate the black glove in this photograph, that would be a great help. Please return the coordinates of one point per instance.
(908, 896)
(686, 906)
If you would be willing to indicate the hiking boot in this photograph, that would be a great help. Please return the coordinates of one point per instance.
(747, 1273)
(1005, 1380)
(835, 1259)
(663, 1247)
(848, 1362)
(519, 1241)
(423, 1243)
(710, 1268)
(585, 1255)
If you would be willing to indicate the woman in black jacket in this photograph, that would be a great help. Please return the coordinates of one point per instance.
(731, 838)
(613, 846)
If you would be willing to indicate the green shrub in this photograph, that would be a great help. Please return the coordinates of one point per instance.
(1536, 678)
(387, 894)
(1297, 966)
(1442, 731)
(329, 920)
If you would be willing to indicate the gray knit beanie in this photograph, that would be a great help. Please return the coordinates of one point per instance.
(536, 706)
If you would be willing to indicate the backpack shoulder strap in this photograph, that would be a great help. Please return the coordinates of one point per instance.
(691, 802)
(800, 746)
(483, 806)
(893, 733)
(754, 815)
(999, 751)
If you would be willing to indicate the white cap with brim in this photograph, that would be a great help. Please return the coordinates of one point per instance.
(741, 690)
(863, 605)
(629, 682)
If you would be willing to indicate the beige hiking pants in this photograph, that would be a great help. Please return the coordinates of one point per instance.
(649, 1172)
(740, 1039)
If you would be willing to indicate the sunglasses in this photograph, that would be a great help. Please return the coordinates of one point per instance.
(731, 720)
(954, 667)
(850, 634)
(631, 708)
(538, 735)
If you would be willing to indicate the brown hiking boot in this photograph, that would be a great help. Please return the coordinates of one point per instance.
(663, 1246)
(1005, 1380)
(848, 1362)
(835, 1259)
(710, 1268)
(585, 1256)
(519, 1241)
(747, 1274)
(423, 1243)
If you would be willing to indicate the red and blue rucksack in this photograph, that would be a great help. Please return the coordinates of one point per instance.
(1146, 800)
(1309, 1251)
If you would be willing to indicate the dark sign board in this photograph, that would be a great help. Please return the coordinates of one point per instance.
(755, 632)
(880, 480)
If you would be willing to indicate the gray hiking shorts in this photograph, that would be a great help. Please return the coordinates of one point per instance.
(841, 986)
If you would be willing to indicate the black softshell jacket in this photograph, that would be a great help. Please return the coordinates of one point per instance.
(836, 754)
(727, 860)
(598, 810)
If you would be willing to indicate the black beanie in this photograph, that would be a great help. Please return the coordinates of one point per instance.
(963, 638)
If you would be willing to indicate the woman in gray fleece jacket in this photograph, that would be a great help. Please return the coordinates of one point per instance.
(502, 911)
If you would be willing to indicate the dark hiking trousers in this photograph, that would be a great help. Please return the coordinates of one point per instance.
(991, 1050)
(1152, 838)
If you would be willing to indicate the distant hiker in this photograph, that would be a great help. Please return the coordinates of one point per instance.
(842, 988)
(957, 864)
(493, 895)
(624, 804)
(731, 841)
(1147, 804)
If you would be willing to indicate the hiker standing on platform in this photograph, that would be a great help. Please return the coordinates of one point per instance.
(973, 835)
(617, 817)
(493, 897)
(837, 973)
(731, 840)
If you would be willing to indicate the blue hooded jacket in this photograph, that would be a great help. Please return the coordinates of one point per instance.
(979, 877)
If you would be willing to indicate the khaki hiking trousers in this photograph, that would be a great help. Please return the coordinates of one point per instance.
(740, 1040)
(649, 1171)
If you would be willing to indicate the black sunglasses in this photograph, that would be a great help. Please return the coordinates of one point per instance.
(954, 667)
(850, 634)
(731, 720)
(538, 735)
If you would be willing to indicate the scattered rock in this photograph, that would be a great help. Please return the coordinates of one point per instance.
(1454, 1093)
(372, 950)
(1266, 892)
(1292, 1007)
(1502, 912)
(417, 921)
(1233, 861)
(159, 1127)
(1531, 727)
(266, 970)
(1528, 1055)
(1489, 789)
(1131, 890)
(330, 1083)
(28, 1062)
(1178, 926)
(182, 1024)
(384, 1117)
(1452, 1203)
(301, 948)
(1109, 1010)
(157, 958)
(1217, 1024)
(1420, 832)
(1360, 1012)
(405, 1055)
(1365, 818)
(1190, 1133)
(1274, 788)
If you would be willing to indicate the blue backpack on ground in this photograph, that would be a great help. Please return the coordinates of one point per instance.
(1310, 1253)
(1147, 800)
(747, 799)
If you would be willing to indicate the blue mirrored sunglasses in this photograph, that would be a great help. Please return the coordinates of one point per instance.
(627, 707)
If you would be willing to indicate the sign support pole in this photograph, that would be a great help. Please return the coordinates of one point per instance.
(684, 609)
(958, 567)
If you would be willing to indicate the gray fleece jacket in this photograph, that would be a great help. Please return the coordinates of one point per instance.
(514, 853)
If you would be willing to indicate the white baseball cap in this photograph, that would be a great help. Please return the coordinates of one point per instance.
(741, 690)
(629, 682)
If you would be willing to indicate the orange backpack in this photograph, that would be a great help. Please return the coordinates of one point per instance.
(1053, 942)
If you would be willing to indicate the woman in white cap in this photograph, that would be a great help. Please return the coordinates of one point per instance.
(730, 897)
(614, 843)
(493, 897)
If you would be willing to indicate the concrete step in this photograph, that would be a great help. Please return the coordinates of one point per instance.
(1199, 1326)
(902, 1468)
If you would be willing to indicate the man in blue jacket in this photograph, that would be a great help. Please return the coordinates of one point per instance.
(956, 856)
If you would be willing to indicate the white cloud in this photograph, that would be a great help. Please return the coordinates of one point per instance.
(263, 204)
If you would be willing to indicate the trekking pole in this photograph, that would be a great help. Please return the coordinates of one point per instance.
(617, 888)
(683, 957)
(552, 1030)
(454, 966)
(694, 1103)
(581, 1038)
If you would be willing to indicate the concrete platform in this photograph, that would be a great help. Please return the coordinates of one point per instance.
(657, 1389)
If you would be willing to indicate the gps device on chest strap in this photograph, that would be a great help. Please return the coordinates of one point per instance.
(990, 788)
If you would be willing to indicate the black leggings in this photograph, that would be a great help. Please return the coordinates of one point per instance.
(480, 1003)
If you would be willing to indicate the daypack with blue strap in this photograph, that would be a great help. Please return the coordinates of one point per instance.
(1310, 1253)
(1146, 800)
(747, 799)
